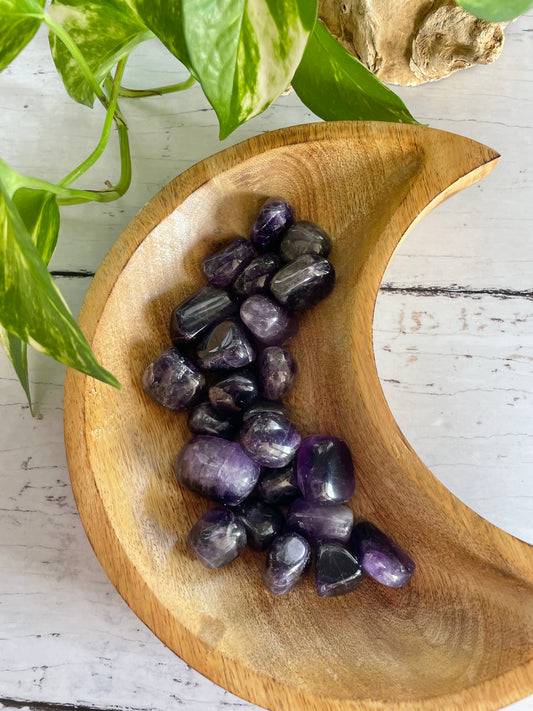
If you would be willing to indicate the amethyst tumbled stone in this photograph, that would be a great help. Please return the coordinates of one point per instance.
(262, 405)
(225, 347)
(270, 439)
(234, 393)
(261, 521)
(304, 238)
(380, 557)
(224, 266)
(317, 522)
(200, 310)
(278, 486)
(255, 279)
(217, 538)
(303, 283)
(274, 217)
(337, 571)
(217, 468)
(277, 372)
(268, 321)
(204, 419)
(287, 561)
(173, 381)
(325, 470)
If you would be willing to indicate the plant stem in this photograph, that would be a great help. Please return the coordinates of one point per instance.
(159, 91)
(102, 143)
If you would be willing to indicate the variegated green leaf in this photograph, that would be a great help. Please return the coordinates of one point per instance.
(104, 30)
(19, 21)
(336, 86)
(243, 52)
(17, 352)
(31, 306)
(496, 10)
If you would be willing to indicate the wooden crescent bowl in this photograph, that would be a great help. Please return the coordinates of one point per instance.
(460, 635)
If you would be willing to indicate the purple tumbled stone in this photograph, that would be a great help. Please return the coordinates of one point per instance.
(337, 571)
(199, 311)
(278, 486)
(380, 557)
(255, 279)
(217, 538)
(261, 521)
(274, 217)
(261, 405)
(325, 470)
(224, 266)
(173, 381)
(317, 522)
(304, 238)
(225, 347)
(270, 439)
(217, 468)
(287, 561)
(204, 419)
(234, 393)
(268, 321)
(303, 283)
(277, 372)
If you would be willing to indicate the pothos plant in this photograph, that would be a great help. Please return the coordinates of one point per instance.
(244, 54)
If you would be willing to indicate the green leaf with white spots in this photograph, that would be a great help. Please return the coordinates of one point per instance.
(17, 352)
(104, 30)
(243, 52)
(19, 21)
(496, 10)
(336, 86)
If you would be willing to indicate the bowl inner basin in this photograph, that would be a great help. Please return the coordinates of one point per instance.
(436, 636)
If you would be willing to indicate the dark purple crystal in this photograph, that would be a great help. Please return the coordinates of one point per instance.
(225, 347)
(270, 439)
(304, 238)
(224, 266)
(234, 393)
(277, 372)
(337, 571)
(173, 381)
(217, 538)
(278, 486)
(380, 557)
(273, 218)
(287, 561)
(198, 311)
(268, 321)
(261, 405)
(261, 521)
(317, 522)
(303, 283)
(325, 470)
(255, 279)
(217, 468)
(205, 420)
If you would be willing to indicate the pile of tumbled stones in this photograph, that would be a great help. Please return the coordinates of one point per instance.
(229, 367)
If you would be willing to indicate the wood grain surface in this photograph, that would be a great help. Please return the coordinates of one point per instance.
(467, 619)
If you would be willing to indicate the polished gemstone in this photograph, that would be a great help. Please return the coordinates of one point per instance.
(204, 419)
(337, 571)
(303, 283)
(225, 347)
(173, 381)
(234, 393)
(255, 279)
(304, 238)
(217, 468)
(380, 557)
(224, 266)
(317, 522)
(287, 561)
(278, 486)
(217, 538)
(270, 439)
(268, 321)
(261, 405)
(202, 309)
(274, 217)
(277, 372)
(325, 470)
(261, 521)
